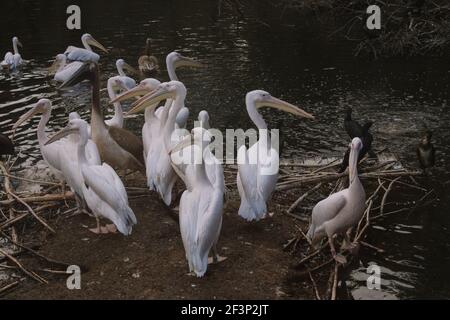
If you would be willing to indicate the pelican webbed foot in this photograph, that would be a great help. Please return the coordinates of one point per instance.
(216, 259)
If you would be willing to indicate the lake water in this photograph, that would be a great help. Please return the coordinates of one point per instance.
(296, 62)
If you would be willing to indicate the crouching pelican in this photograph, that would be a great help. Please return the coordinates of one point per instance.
(103, 190)
(86, 53)
(201, 204)
(118, 147)
(61, 69)
(258, 166)
(13, 60)
(342, 210)
(148, 64)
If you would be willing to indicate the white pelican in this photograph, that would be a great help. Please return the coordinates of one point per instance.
(118, 147)
(162, 177)
(152, 134)
(175, 60)
(91, 148)
(148, 64)
(127, 81)
(342, 210)
(201, 204)
(50, 154)
(114, 85)
(86, 53)
(13, 59)
(63, 70)
(103, 190)
(70, 167)
(258, 166)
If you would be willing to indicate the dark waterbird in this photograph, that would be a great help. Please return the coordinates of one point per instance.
(148, 64)
(6, 145)
(366, 139)
(352, 127)
(426, 152)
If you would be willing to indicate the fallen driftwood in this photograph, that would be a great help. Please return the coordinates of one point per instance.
(43, 198)
(31, 274)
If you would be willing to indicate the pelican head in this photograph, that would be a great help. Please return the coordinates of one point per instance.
(16, 41)
(117, 84)
(87, 71)
(60, 60)
(166, 90)
(356, 144)
(144, 87)
(355, 147)
(42, 106)
(203, 118)
(74, 126)
(122, 65)
(89, 40)
(260, 98)
(177, 60)
(74, 115)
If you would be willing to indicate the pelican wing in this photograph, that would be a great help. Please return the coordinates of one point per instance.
(328, 208)
(9, 58)
(105, 183)
(268, 174)
(247, 171)
(129, 142)
(80, 54)
(247, 174)
(67, 71)
(188, 224)
(209, 223)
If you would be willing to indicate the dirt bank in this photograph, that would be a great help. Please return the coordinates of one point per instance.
(150, 264)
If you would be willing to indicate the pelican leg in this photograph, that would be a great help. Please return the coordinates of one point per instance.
(336, 256)
(63, 187)
(215, 256)
(347, 243)
(96, 230)
(352, 247)
(81, 206)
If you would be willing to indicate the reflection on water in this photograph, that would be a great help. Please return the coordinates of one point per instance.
(294, 63)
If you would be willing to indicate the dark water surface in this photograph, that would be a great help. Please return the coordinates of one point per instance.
(296, 62)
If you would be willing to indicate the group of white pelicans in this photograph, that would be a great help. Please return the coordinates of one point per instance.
(86, 156)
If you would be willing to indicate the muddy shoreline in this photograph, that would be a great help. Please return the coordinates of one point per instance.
(150, 264)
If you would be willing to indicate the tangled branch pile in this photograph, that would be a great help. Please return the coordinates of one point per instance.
(408, 27)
